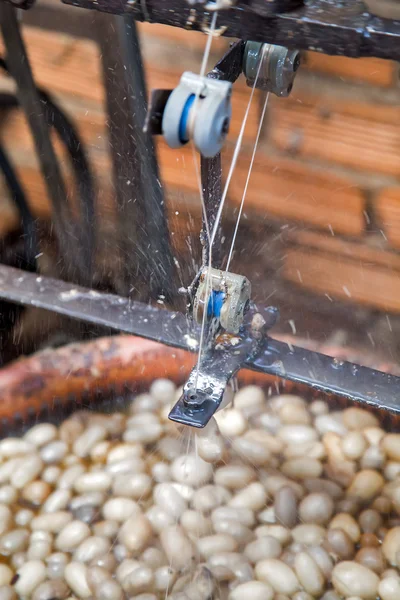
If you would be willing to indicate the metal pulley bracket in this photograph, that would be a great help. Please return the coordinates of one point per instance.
(206, 390)
(172, 112)
(277, 70)
(198, 109)
(220, 300)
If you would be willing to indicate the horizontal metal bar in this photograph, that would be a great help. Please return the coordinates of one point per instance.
(109, 310)
(338, 28)
(361, 384)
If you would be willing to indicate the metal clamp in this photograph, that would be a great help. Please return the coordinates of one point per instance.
(198, 109)
(278, 69)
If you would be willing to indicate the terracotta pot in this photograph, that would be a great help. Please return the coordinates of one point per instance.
(53, 383)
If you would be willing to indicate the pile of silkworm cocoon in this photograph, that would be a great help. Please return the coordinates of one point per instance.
(276, 499)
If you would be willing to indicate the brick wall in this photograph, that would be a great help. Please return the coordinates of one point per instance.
(327, 169)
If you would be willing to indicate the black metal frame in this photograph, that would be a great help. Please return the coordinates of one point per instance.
(333, 27)
(143, 230)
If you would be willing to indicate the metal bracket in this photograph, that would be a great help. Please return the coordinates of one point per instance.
(204, 390)
(203, 393)
(230, 66)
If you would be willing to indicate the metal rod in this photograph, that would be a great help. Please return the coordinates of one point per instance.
(228, 68)
(211, 183)
(84, 304)
(76, 258)
(143, 231)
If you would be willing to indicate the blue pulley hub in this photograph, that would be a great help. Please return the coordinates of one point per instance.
(215, 304)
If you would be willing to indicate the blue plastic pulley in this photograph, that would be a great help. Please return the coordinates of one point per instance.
(198, 109)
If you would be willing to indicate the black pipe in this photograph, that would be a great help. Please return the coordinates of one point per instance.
(19, 198)
(72, 236)
(69, 137)
(142, 224)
